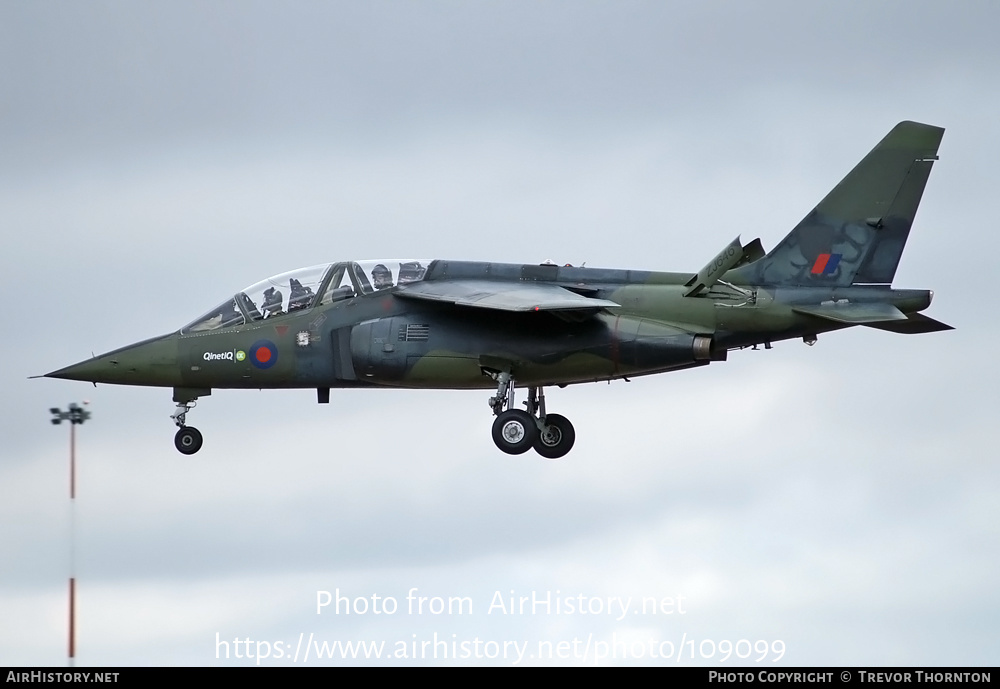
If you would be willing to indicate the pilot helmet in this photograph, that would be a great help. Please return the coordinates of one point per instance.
(381, 277)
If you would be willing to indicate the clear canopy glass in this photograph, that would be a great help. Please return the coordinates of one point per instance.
(305, 288)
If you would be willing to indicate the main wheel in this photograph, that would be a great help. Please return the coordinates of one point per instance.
(188, 440)
(556, 437)
(514, 431)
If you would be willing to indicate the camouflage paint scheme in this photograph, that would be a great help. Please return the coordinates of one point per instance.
(464, 323)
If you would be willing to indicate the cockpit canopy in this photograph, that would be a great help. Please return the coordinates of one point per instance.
(308, 287)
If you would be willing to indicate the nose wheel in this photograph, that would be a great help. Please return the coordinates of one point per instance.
(516, 431)
(188, 439)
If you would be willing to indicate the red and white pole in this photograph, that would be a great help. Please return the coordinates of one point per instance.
(74, 415)
(72, 545)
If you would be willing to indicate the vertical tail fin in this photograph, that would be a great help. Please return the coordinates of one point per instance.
(857, 233)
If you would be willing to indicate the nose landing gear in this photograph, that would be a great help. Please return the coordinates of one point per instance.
(188, 439)
(516, 431)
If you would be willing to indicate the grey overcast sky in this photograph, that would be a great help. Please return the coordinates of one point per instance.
(156, 157)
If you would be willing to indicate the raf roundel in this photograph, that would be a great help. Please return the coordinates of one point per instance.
(263, 354)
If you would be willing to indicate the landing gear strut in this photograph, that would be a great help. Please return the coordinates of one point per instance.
(188, 439)
(516, 431)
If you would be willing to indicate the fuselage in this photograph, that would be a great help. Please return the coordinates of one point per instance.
(364, 336)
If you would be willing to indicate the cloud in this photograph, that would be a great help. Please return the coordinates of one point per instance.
(836, 498)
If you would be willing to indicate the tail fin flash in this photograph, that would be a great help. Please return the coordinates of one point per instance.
(857, 233)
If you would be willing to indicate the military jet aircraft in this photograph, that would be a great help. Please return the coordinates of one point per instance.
(420, 323)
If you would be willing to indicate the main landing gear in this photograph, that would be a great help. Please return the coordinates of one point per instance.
(188, 439)
(516, 431)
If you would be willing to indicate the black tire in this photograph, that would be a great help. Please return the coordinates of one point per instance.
(556, 437)
(515, 431)
(188, 440)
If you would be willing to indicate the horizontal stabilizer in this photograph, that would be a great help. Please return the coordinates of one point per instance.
(853, 313)
(502, 296)
(915, 324)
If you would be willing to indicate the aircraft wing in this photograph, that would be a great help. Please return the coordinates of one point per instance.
(502, 296)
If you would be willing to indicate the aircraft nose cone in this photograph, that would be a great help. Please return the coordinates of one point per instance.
(89, 370)
(150, 362)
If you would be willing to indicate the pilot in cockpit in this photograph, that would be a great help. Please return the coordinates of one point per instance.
(381, 277)
(301, 296)
(272, 303)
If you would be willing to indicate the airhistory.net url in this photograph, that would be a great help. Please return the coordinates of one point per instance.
(450, 647)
